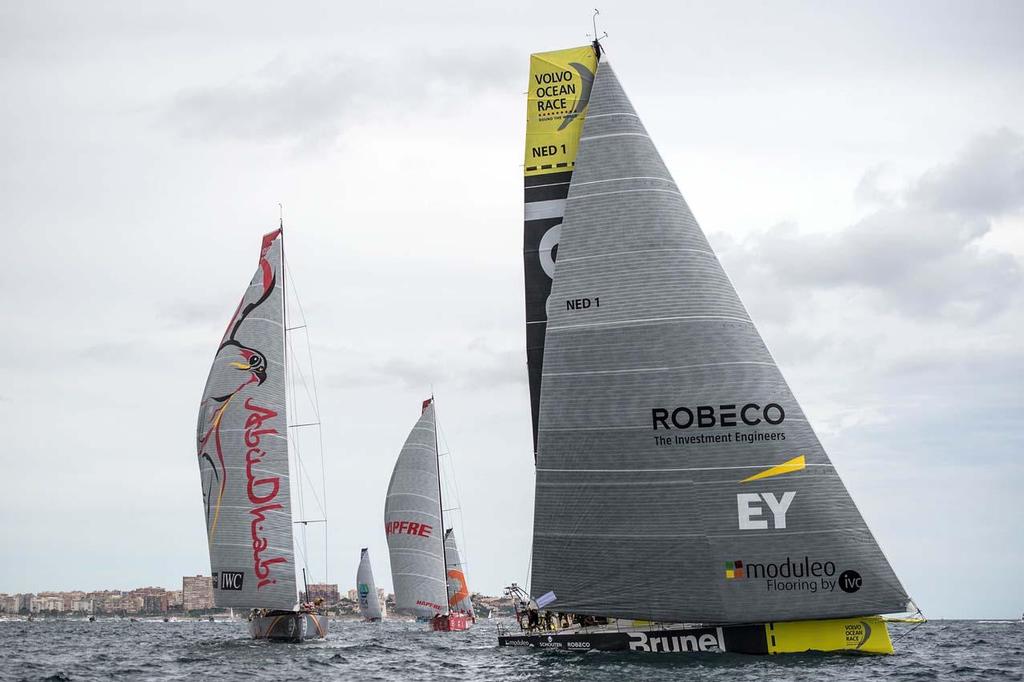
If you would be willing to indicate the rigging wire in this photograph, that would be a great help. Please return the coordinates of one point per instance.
(451, 482)
(312, 403)
(316, 410)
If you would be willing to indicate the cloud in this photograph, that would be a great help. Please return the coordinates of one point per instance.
(986, 178)
(315, 101)
(921, 252)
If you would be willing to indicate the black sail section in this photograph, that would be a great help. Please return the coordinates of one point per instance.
(558, 95)
(678, 479)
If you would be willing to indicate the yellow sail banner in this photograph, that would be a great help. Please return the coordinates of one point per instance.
(557, 101)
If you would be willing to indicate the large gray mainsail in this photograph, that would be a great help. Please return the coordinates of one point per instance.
(678, 479)
(366, 588)
(243, 449)
(459, 596)
(412, 523)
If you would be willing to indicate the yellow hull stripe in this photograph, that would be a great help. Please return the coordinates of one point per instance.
(867, 635)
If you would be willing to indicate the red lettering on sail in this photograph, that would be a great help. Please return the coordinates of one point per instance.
(408, 528)
(261, 491)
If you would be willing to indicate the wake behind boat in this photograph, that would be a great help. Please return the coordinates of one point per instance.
(243, 449)
(429, 579)
(683, 502)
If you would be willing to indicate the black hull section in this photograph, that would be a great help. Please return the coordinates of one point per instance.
(746, 639)
(288, 626)
(864, 635)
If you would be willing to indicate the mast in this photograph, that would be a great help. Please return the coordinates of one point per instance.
(284, 356)
(440, 507)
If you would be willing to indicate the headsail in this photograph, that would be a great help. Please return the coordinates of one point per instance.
(369, 603)
(458, 587)
(678, 479)
(560, 84)
(243, 449)
(412, 523)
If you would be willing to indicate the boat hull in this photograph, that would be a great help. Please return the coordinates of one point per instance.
(867, 635)
(453, 622)
(288, 626)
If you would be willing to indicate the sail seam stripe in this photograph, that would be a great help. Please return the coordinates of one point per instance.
(608, 471)
(656, 369)
(649, 319)
(553, 184)
(598, 137)
(627, 253)
(425, 497)
(693, 535)
(264, 319)
(634, 177)
(614, 113)
(420, 575)
(623, 191)
(621, 428)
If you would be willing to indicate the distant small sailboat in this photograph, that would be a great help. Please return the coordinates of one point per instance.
(428, 584)
(366, 589)
(243, 448)
(683, 502)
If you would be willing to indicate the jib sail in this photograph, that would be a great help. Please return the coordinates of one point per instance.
(678, 479)
(243, 450)
(458, 587)
(369, 603)
(560, 84)
(412, 523)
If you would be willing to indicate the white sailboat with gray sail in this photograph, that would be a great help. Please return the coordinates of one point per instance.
(243, 451)
(683, 502)
(429, 584)
(366, 590)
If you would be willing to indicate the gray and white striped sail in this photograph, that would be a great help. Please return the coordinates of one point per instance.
(459, 596)
(243, 450)
(412, 522)
(678, 478)
(366, 588)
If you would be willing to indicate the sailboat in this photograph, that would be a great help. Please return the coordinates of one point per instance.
(243, 448)
(424, 575)
(369, 602)
(683, 502)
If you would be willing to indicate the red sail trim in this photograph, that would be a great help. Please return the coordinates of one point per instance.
(426, 404)
(268, 273)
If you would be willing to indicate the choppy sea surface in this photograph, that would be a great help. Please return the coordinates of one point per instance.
(120, 649)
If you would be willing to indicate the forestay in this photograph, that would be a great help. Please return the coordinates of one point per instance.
(243, 451)
(678, 479)
(412, 523)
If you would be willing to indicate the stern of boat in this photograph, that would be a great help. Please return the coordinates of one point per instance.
(288, 626)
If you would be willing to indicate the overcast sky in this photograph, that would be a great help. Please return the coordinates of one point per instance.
(859, 168)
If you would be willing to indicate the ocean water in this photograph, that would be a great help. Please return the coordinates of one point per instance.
(154, 650)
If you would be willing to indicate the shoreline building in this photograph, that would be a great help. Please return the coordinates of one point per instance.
(197, 592)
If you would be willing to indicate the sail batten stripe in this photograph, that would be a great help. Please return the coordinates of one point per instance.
(641, 370)
(590, 195)
(663, 470)
(611, 254)
(649, 320)
(622, 179)
(607, 135)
